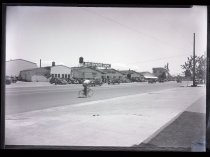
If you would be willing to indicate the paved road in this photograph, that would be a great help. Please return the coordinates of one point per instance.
(141, 114)
(26, 99)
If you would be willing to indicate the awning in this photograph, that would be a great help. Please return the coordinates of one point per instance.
(152, 77)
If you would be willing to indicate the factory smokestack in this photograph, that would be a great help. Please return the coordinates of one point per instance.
(40, 63)
(53, 63)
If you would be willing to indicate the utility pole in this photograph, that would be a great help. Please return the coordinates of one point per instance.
(40, 63)
(194, 84)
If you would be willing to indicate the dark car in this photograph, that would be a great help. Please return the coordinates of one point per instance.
(8, 80)
(179, 80)
(13, 79)
(151, 81)
(199, 81)
(58, 81)
(75, 81)
(69, 81)
(96, 82)
(114, 81)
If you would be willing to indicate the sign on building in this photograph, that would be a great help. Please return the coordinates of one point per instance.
(97, 64)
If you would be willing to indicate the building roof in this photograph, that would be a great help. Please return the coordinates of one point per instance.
(160, 68)
(78, 68)
(130, 72)
(148, 75)
(58, 65)
(21, 60)
(110, 71)
(47, 67)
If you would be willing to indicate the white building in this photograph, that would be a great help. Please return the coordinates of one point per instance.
(44, 74)
(60, 71)
(13, 67)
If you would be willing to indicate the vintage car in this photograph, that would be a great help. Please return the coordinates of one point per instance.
(96, 82)
(14, 79)
(58, 81)
(179, 80)
(114, 81)
(8, 80)
(151, 80)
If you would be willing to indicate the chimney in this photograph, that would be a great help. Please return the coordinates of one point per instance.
(40, 63)
(53, 63)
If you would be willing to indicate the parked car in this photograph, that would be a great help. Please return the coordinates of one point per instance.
(80, 81)
(125, 80)
(199, 81)
(96, 82)
(69, 81)
(13, 79)
(179, 80)
(59, 81)
(8, 80)
(151, 81)
(114, 81)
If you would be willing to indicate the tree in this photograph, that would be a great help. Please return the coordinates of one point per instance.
(200, 67)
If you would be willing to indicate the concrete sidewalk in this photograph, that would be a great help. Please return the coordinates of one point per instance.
(188, 131)
(121, 121)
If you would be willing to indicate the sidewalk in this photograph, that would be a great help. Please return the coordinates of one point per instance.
(186, 132)
(122, 121)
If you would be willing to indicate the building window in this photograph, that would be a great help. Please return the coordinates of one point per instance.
(55, 75)
(52, 75)
(65, 75)
(68, 75)
(62, 75)
(58, 75)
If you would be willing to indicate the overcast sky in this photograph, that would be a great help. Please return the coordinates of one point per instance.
(135, 38)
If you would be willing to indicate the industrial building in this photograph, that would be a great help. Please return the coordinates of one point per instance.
(13, 67)
(147, 76)
(110, 74)
(86, 73)
(43, 74)
(92, 70)
(161, 72)
(133, 75)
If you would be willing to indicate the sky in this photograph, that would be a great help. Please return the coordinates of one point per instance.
(127, 38)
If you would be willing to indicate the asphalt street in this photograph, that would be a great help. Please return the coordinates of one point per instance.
(24, 99)
(116, 115)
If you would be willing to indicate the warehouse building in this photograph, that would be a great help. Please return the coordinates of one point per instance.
(86, 73)
(159, 71)
(148, 75)
(110, 74)
(133, 75)
(13, 67)
(43, 74)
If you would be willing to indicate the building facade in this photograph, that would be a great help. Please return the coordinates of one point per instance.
(110, 74)
(86, 73)
(133, 75)
(161, 73)
(148, 76)
(44, 74)
(13, 67)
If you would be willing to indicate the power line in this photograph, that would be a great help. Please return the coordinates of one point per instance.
(163, 58)
(130, 28)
